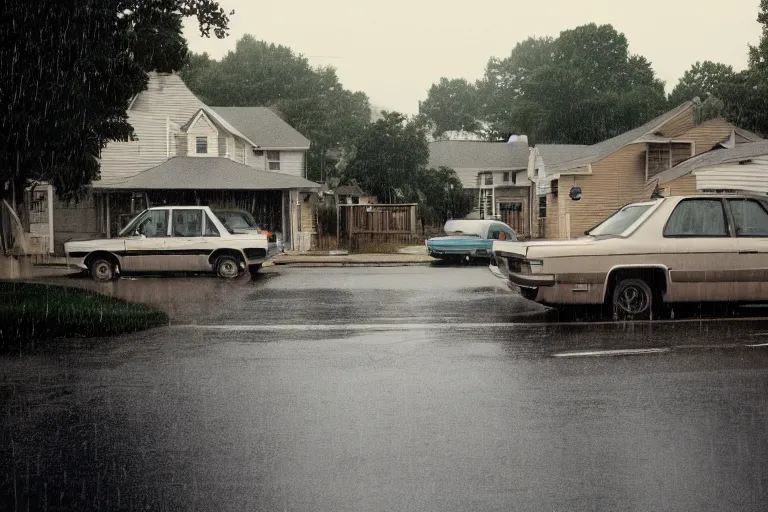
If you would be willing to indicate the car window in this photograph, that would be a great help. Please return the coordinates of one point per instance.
(236, 220)
(210, 227)
(499, 233)
(697, 217)
(154, 224)
(620, 221)
(750, 217)
(187, 223)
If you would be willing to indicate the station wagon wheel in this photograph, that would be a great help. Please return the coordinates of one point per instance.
(632, 300)
(226, 267)
(102, 270)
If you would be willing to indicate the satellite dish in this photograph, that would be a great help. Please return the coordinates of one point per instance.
(575, 193)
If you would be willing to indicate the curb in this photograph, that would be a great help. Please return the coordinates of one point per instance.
(319, 264)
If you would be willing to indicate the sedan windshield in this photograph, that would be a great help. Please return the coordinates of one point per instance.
(237, 220)
(129, 229)
(620, 221)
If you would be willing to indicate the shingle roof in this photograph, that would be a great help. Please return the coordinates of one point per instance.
(553, 154)
(470, 154)
(714, 157)
(603, 149)
(349, 190)
(262, 126)
(209, 173)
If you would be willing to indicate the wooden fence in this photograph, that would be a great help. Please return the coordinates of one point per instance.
(360, 225)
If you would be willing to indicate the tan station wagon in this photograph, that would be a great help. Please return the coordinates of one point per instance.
(703, 248)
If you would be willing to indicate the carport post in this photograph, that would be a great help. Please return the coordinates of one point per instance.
(109, 224)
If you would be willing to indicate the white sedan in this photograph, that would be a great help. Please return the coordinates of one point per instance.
(171, 238)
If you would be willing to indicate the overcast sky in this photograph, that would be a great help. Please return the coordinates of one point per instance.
(395, 50)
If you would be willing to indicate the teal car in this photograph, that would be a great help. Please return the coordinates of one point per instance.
(468, 239)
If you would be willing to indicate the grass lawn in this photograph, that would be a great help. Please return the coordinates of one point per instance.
(39, 311)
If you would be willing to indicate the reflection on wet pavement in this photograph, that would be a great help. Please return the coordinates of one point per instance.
(399, 389)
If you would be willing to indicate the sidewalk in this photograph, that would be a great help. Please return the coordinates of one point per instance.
(347, 260)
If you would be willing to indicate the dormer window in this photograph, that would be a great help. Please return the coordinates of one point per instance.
(201, 145)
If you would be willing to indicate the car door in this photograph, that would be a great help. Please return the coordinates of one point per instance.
(699, 249)
(144, 249)
(750, 220)
(187, 248)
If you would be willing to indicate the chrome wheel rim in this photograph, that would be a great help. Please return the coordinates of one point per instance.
(633, 300)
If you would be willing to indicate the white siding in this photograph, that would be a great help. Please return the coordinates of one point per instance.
(121, 160)
(203, 128)
(291, 162)
(167, 95)
(237, 155)
(752, 177)
(258, 162)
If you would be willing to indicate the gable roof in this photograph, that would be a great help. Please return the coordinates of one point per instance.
(209, 173)
(739, 153)
(553, 154)
(478, 155)
(262, 126)
(603, 149)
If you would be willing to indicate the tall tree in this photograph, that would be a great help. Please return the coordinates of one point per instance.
(704, 79)
(581, 87)
(452, 105)
(312, 100)
(440, 195)
(70, 69)
(746, 96)
(385, 158)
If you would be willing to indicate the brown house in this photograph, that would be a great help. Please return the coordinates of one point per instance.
(579, 186)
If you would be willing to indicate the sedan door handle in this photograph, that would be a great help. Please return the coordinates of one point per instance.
(747, 252)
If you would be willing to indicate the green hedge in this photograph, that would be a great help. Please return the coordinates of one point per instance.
(39, 311)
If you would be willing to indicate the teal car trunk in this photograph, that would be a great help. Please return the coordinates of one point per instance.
(468, 239)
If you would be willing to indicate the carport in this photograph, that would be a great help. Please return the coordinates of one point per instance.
(274, 199)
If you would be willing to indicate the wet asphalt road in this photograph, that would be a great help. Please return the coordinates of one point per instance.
(412, 388)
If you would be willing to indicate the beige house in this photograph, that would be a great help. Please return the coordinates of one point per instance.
(494, 173)
(186, 152)
(735, 165)
(604, 176)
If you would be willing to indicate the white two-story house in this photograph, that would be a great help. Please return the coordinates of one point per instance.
(494, 173)
(186, 152)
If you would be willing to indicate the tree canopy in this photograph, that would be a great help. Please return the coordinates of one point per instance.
(452, 105)
(746, 96)
(312, 100)
(704, 79)
(70, 68)
(579, 88)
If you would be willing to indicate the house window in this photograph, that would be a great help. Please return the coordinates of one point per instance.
(488, 180)
(542, 207)
(201, 145)
(273, 160)
(506, 177)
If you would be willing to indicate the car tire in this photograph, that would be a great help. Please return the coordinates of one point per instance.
(227, 267)
(633, 299)
(102, 270)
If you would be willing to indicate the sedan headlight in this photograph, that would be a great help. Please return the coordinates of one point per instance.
(536, 266)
